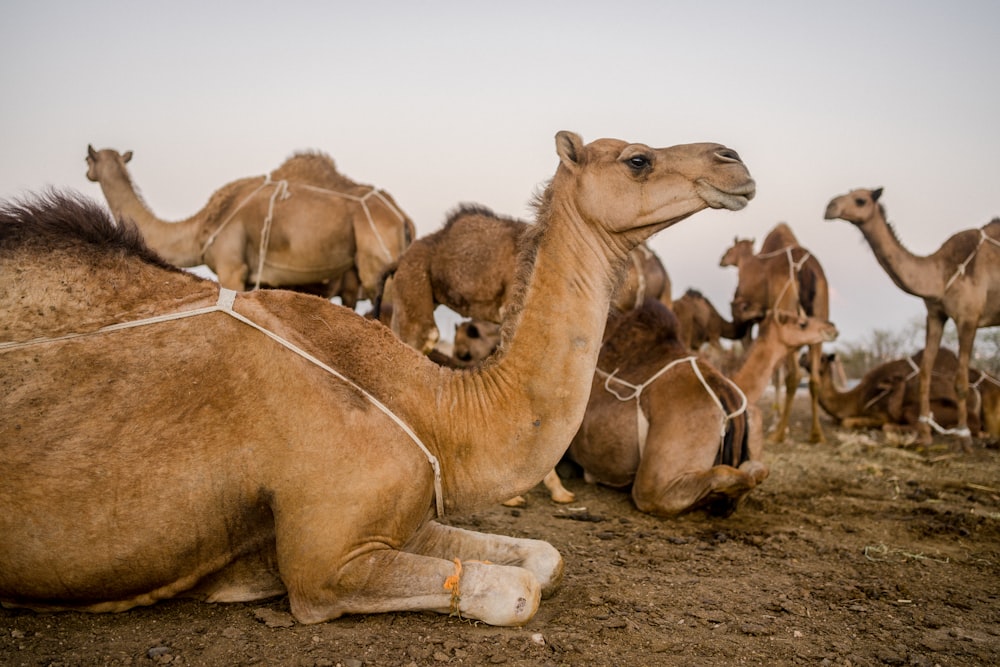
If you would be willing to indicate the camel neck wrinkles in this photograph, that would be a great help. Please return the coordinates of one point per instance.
(914, 274)
(177, 242)
(529, 399)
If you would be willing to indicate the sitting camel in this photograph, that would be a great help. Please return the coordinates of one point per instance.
(469, 266)
(960, 281)
(279, 443)
(888, 396)
(699, 323)
(304, 226)
(671, 426)
(783, 276)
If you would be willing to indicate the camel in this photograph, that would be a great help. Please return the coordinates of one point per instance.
(699, 323)
(665, 422)
(469, 266)
(163, 436)
(304, 226)
(783, 276)
(888, 396)
(960, 281)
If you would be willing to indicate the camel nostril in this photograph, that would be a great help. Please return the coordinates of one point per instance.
(728, 155)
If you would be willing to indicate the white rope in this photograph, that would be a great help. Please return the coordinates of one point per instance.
(960, 271)
(929, 419)
(642, 423)
(793, 269)
(913, 373)
(281, 191)
(218, 230)
(363, 200)
(227, 298)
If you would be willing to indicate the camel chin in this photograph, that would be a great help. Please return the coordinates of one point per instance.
(734, 200)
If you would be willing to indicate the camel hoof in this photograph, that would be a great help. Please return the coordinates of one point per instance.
(564, 497)
(516, 501)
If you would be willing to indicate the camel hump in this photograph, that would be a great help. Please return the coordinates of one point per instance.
(779, 238)
(313, 168)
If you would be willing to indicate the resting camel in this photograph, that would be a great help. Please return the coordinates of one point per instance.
(699, 323)
(960, 280)
(783, 276)
(671, 426)
(304, 226)
(162, 436)
(469, 265)
(888, 396)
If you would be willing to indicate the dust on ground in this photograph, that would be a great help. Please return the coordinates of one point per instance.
(861, 551)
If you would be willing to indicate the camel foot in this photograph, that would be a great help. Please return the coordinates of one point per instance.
(516, 501)
(557, 491)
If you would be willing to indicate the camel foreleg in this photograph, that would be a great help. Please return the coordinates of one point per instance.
(539, 558)
(719, 489)
(935, 329)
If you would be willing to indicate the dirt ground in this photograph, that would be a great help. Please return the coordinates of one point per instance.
(861, 551)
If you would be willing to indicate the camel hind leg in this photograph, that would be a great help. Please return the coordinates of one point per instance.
(816, 434)
(791, 386)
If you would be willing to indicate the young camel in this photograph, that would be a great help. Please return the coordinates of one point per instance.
(699, 323)
(672, 427)
(783, 276)
(888, 396)
(277, 442)
(960, 280)
(469, 265)
(304, 226)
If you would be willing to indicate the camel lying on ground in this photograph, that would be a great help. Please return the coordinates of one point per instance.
(671, 426)
(888, 396)
(699, 323)
(783, 276)
(469, 266)
(960, 280)
(304, 226)
(175, 438)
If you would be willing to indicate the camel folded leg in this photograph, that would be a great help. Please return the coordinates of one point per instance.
(558, 492)
(720, 490)
(536, 556)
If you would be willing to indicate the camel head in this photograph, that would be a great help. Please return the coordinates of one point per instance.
(623, 187)
(741, 249)
(796, 330)
(857, 206)
(96, 159)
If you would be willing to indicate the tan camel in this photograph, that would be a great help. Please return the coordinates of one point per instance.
(782, 276)
(888, 396)
(305, 226)
(175, 438)
(960, 280)
(469, 266)
(699, 323)
(665, 422)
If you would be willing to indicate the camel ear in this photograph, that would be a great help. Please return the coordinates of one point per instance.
(127, 156)
(569, 147)
(876, 193)
(91, 152)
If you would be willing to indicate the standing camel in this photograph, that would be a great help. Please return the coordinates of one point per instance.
(469, 265)
(782, 276)
(276, 442)
(304, 226)
(669, 425)
(960, 280)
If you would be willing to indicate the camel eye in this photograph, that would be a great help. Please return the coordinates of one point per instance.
(860, 202)
(638, 162)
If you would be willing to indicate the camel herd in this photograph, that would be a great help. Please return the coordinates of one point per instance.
(166, 435)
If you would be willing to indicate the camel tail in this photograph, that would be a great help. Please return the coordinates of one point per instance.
(388, 272)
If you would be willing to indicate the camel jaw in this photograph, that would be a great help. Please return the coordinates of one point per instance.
(734, 199)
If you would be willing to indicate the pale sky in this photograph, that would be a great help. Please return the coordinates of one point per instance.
(440, 103)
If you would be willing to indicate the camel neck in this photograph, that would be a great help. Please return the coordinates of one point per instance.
(916, 275)
(176, 242)
(763, 356)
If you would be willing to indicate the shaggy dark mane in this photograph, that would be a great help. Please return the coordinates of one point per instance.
(634, 337)
(58, 219)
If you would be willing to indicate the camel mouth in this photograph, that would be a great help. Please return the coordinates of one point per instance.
(733, 199)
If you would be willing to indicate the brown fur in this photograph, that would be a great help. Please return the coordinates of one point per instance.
(216, 463)
(970, 297)
(699, 323)
(330, 257)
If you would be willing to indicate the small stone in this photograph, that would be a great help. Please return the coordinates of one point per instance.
(538, 639)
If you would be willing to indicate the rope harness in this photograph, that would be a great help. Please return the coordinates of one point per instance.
(960, 271)
(642, 422)
(281, 193)
(793, 270)
(227, 298)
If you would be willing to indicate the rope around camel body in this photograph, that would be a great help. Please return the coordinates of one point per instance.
(793, 269)
(282, 192)
(960, 271)
(642, 423)
(227, 298)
